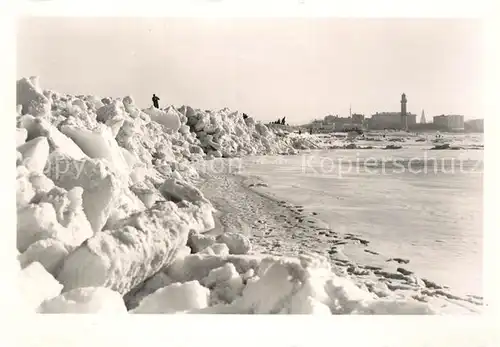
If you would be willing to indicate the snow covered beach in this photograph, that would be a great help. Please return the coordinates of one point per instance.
(296, 225)
(428, 211)
(116, 213)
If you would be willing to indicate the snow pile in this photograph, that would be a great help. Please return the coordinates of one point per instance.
(31, 97)
(34, 154)
(246, 284)
(236, 243)
(176, 297)
(228, 134)
(133, 250)
(170, 117)
(85, 300)
(109, 218)
(36, 285)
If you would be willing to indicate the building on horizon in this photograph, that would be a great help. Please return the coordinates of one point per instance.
(453, 122)
(391, 120)
(402, 120)
(358, 118)
(336, 123)
(474, 125)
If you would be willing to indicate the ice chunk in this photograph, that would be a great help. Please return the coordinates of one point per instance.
(128, 101)
(178, 190)
(37, 285)
(221, 274)
(37, 222)
(345, 296)
(201, 214)
(269, 293)
(237, 243)
(48, 252)
(99, 143)
(196, 149)
(101, 187)
(94, 102)
(129, 157)
(169, 118)
(113, 110)
(68, 206)
(80, 104)
(176, 269)
(24, 189)
(126, 204)
(311, 298)
(184, 129)
(113, 115)
(215, 154)
(59, 215)
(123, 258)
(148, 196)
(57, 141)
(262, 129)
(207, 250)
(115, 125)
(138, 174)
(158, 281)
(31, 97)
(21, 136)
(220, 249)
(35, 153)
(41, 184)
(85, 300)
(194, 266)
(164, 152)
(198, 242)
(134, 297)
(248, 275)
(225, 281)
(174, 298)
(201, 123)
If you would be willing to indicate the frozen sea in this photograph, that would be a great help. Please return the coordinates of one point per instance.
(414, 203)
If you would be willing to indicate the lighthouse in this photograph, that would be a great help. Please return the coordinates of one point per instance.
(404, 119)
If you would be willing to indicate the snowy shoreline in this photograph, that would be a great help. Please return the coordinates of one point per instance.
(110, 218)
(304, 232)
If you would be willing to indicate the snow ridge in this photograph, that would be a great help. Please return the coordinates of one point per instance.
(110, 220)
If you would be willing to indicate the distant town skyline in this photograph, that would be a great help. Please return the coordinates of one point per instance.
(302, 69)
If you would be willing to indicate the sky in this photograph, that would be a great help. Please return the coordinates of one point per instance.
(298, 68)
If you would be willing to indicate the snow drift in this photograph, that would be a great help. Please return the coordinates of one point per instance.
(110, 219)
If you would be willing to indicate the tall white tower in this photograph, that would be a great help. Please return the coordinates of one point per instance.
(404, 120)
(422, 118)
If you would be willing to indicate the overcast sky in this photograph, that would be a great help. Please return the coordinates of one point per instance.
(269, 68)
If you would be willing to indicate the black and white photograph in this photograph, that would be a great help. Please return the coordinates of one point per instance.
(196, 165)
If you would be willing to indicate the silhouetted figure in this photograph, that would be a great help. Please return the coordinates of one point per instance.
(283, 121)
(245, 116)
(155, 101)
(311, 131)
(300, 131)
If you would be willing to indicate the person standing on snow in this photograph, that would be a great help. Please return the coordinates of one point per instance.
(155, 101)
